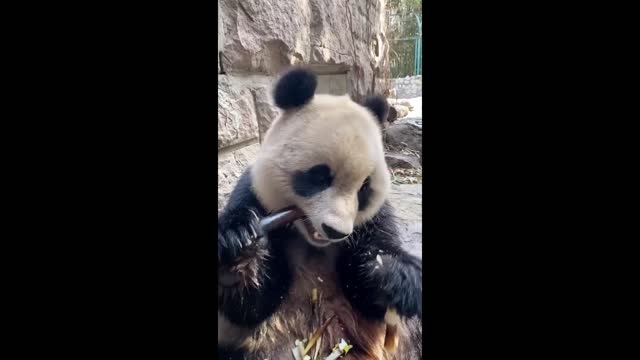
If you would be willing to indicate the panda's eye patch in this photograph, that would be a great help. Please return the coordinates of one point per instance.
(310, 182)
(364, 194)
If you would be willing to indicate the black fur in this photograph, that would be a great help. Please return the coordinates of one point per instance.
(378, 106)
(233, 230)
(250, 305)
(295, 88)
(312, 181)
(333, 233)
(364, 195)
(371, 290)
(225, 353)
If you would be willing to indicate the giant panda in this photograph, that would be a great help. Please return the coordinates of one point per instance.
(323, 155)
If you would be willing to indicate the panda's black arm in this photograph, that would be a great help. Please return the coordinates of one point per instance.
(371, 286)
(237, 223)
(251, 278)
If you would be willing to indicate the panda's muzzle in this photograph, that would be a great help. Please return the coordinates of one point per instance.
(332, 233)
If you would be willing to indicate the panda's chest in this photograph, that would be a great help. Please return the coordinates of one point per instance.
(315, 298)
(312, 269)
(314, 295)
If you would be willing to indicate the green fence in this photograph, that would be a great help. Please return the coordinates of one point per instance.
(405, 40)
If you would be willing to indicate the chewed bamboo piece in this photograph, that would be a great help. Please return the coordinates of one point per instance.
(342, 348)
(300, 350)
(317, 335)
(391, 337)
(280, 218)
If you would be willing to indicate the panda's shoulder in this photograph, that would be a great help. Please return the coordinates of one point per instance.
(382, 227)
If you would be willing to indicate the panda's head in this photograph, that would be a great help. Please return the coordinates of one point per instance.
(324, 154)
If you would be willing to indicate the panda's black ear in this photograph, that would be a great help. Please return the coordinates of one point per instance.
(295, 88)
(378, 106)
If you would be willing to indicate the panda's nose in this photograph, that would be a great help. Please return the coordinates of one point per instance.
(333, 233)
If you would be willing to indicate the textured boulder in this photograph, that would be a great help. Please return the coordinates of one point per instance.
(408, 87)
(393, 115)
(405, 134)
(330, 36)
(402, 102)
(245, 112)
(230, 166)
(237, 121)
(401, 110)
(265, 110)
(407, 203)
(402, 161)
(220, 36)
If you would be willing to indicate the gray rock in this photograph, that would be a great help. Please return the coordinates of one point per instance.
(402, 102)
(332, 84)
(230, 166)
(266, 112)
(407, 203)
(402, 161)
(237, 120)
(405, 133)
(401, 110)
(220, 35)
(393, 114)
(335, 37)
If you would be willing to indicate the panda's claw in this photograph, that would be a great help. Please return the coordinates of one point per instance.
(243, 233)
(253, 235)
(400, 285)
(233, 243)
(244, 237)
(254, 224)
(256, 218)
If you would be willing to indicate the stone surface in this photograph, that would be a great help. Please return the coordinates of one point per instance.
(230, 166)
(260, 87)
(335, 37)
(401, 110)
(402, 161)
(266, 112)
(332, 84)
(408, 87)
(401, 102)
(405, 133)
(407, 202)
(393, 114)
(220, 36)
(237, 121)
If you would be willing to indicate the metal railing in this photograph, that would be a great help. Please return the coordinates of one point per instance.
(405, 39)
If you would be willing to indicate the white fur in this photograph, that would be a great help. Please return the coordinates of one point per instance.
(330, 130)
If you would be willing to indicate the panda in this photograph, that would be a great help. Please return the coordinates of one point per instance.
(323, 155)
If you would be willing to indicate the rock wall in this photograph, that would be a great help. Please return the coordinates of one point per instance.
(344, 42)
(408, 87)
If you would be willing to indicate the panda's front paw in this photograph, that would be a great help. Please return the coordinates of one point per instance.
(237, 233)
(400, 284)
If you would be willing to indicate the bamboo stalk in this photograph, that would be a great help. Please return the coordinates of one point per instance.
(391, 337)
(317, 334)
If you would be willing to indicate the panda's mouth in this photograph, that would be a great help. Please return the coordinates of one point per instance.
(300, 221)
(311, 234)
